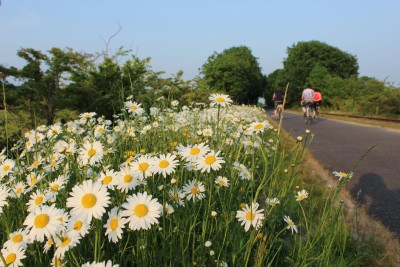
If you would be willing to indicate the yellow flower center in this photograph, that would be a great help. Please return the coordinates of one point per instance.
(249, 216)
(18, 191)
(134, 107)
(143, 166)
(108, 179)
(65, 242)
(55, 187)
(33, 180)
(6, 168)
(78, 225)
(53, 163)
(38, 201)
(128, 178)
(11, 258)
(193, 191)
(220, 99)
(41, 220)
(222, 182)
(259, 126)
(210, 159)
(17, 238)
(114, 222)
(91, 152)
(36, 163)
(194, 151)
(141, 210)
(37, 137)
(176, 197)
(290, 223)
(100, 130)
(89, 200)
(163, 164)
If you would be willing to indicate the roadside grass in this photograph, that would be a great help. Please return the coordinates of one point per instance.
(379, 246)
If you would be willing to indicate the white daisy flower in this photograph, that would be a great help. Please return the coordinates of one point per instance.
(37, 199)
(165, 164)
(19, 238)
(90, 153)
(65, 242)
(143, 166)
(210, 161)
(272, 201)
(12, 255)
(194, 189)
(78, 225)
(108, 178)
(134, 108)
(6, 167)
(259, 127)
(220, 100)
(290, 223)
(100, 264)
(114, 226)
(4, 193)
(44, 221)
(88, 200)
(222, 181)
(141, 211)
(126, 180)
(250, 216)
(177, 196)
(192, 153)
(301, 195)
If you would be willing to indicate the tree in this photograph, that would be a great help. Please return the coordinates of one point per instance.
(303, 57)
(236, 72)
(43, 77)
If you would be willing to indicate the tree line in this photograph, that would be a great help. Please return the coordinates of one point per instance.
(60, 83)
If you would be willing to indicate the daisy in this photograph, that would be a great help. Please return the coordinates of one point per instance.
(165, 164)
(108, 178)
(99, 130)
(177, 196)
(18, 189)
(290, 223)
(168, 209)
(194, 189)
(78, 225)
(301, 195)
(220, 100)
(100, 264)
(143, 166)
(54, 129)
(65, 242)
(141, 211)
(4, 193)
(207, 132)
(37, 199)
(222, 181)
(341, 175)
(90, 153)
(6, 167)
(13, 255)
(191, 166)
(126, 179)
(250, 216)
(210, 161)
(133, 108)
(43, 221)
(192, 153)
(88, 200)
(259, 127)
(33, 179)
(37, 161)
(19, 238)
(272, 201)
(114, 225)
(58, 183)
(245, 175)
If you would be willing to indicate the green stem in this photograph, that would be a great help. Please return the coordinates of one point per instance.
(5, 113)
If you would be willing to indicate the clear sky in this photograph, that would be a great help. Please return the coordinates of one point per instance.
(181, 35)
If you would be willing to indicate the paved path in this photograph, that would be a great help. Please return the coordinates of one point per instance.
(338, 145)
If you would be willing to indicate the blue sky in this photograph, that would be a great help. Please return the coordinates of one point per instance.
(181, 35)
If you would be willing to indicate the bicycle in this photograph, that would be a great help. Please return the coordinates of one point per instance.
(317, 111)
(309, 114)
(278, 111)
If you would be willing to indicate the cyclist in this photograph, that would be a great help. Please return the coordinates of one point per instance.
(307, 98)
(317, 100)
(278, 99)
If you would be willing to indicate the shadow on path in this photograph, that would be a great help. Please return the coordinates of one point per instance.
(375, 196)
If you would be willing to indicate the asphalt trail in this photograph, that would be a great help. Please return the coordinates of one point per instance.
(338, 145)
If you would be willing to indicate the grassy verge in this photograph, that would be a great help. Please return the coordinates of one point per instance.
(380, 246)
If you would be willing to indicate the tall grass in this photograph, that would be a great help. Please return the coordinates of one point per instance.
(198, 225)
